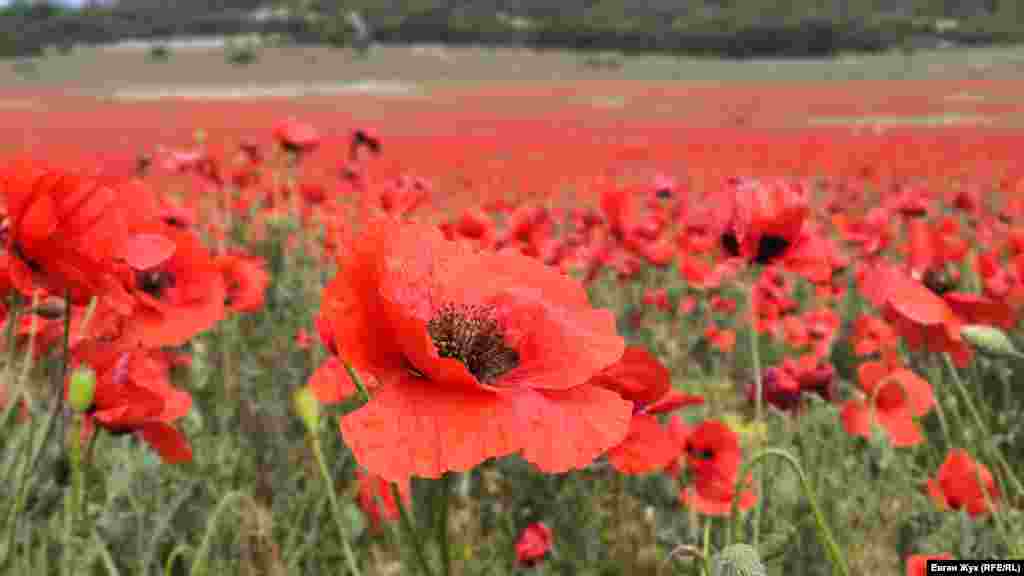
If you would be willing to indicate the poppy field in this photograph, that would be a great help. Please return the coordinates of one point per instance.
(595, 329)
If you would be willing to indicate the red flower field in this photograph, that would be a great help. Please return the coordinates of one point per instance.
(615, 325)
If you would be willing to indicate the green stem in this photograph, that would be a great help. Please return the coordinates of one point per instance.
(706, 547)
(77, 473)
(442, 528)
(410, 532)
(199, 564)
(980, 423)
(58, 387)
(346, 548)
(824, 533)
(755, 360)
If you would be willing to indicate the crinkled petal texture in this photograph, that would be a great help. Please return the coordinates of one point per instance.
(431, 414)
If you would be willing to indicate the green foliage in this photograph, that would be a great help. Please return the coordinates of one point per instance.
(159, 53)
(738, 560)
(241, 52)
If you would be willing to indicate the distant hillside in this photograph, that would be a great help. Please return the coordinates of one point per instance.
(733, 28)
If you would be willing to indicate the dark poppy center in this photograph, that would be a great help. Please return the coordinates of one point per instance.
(472, 336)
(769, 247)
(700, 453)
(938, 281)
(154, 282)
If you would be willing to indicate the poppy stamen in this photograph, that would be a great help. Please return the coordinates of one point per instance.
(472, 336)
(154, 282)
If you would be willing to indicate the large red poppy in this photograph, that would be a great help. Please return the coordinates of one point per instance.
(477, 355)
(62, 229)
(134, 395)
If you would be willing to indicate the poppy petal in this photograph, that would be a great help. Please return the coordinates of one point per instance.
(147, 251)
(914, 301)
(412, 427)
(647, 448)
(168, 442)
(903, 431)
(568, 429)
(856, 417)
(919, 395)
(330, 382)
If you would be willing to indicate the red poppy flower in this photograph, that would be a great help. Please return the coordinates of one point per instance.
(62, 229)
(956, 485)
(713, 456)
(533, 544)
(377, 500)
(177, 287)
(918, 314)
(894, 397)
(927, 320)
(648, 446)
(917, 564)
(296, 137)
(134, 395)
(245, 279)
(477, 356)
(762, 220)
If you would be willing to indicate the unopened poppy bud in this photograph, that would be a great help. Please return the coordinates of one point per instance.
(990, 340)
(82, 389)
(307, 407)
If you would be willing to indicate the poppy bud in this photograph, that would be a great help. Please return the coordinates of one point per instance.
(307, 407)
(82, 389)
(990, 340)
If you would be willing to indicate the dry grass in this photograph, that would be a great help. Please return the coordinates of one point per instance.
(102, 71)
